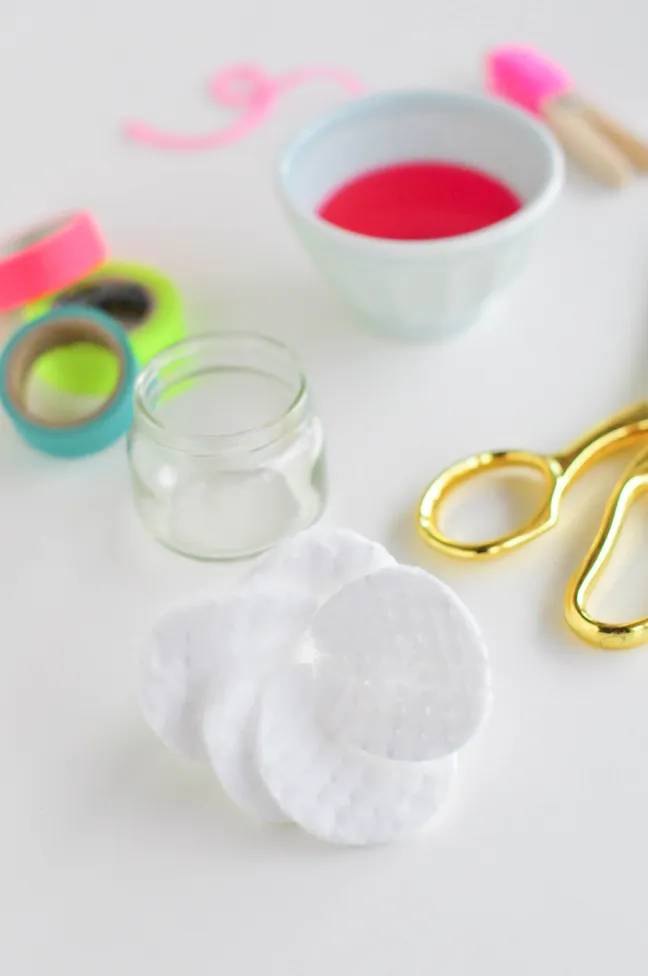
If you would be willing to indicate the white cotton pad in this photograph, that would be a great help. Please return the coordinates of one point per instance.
(229, 735)
(402, 670)
(175, 669)
(299, 575)
(180, 658)
(321, 561)
(229, 727)
(334, 791)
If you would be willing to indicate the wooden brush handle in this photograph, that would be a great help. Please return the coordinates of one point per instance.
(631, 145)
(581, 140)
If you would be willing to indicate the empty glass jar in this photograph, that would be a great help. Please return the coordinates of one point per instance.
(226, 453)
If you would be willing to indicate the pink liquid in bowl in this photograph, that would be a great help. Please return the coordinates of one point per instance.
(420, 202)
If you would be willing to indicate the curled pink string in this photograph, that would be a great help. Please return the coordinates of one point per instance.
(243, 87)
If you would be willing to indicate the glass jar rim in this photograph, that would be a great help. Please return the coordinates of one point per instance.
(251, 438)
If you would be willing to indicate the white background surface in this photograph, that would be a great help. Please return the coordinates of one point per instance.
(116, 857)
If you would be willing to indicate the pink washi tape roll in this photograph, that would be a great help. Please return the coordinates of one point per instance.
(48, 257)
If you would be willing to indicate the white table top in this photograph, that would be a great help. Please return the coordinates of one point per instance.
(119, 858)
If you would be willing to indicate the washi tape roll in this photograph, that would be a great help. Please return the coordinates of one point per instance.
(60, 329)
(145, 303)
(48, 257)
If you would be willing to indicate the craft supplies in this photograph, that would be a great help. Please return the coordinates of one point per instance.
(249, 89)
(227, 456)
(558, 472)
(143, 301)
(421, 289)
(334, 688)
(65, 327)
(419, 202)
(606, 148)
(48, 257)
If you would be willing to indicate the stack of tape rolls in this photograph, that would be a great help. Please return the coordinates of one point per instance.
(145, 303)
(90, 324)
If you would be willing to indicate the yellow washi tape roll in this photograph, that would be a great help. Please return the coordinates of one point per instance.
(145, 303)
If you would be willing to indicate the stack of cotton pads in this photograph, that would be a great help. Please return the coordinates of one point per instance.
(333, 689)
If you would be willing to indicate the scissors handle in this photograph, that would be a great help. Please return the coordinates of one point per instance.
(608, 636)
(550, 468)
(557, 472)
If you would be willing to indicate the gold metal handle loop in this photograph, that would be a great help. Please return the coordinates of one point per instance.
(607, 636)
(551, 470)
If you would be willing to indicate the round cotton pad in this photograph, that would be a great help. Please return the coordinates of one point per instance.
(229, 734)
(402, 670)
(334, 791)
(321, 560)
(229, 727)
(176, 664)
(180, 660)
(300, 574)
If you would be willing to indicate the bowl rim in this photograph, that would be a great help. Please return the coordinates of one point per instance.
(391, 248)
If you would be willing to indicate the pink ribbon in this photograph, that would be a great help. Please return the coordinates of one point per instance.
(243, 87)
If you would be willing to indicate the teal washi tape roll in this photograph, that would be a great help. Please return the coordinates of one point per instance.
(64, 327)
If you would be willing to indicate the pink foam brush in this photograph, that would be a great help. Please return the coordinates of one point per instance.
(602, 145)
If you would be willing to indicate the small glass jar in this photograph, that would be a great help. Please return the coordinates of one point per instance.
(226, 453)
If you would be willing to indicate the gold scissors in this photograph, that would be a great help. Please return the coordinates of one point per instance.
(558, 472)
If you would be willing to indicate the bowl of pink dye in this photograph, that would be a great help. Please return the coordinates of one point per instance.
(421, 207)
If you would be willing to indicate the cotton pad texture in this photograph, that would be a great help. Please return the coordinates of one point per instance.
(334, 688)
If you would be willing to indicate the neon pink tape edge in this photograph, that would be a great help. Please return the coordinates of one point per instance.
(245, 87)
(72, 249)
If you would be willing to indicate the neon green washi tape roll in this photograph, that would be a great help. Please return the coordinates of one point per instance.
(143, 301)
